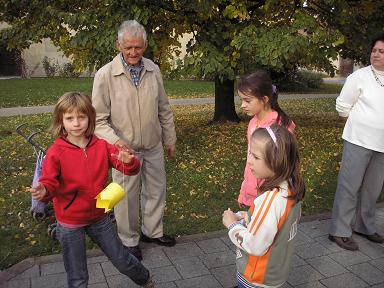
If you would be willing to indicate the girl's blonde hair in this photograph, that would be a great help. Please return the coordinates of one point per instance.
(69, 102)
(282, 157)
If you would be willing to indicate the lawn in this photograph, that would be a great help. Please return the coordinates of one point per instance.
(203, 179)
(43, 91)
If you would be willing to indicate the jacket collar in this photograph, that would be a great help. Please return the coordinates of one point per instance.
(63, 141)
(118, 67)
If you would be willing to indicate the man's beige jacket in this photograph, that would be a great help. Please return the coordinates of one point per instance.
(140, 116)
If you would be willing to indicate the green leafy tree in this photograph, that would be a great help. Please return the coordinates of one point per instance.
(230, 37)
(85, 30)
(358, 21)
(235, 37)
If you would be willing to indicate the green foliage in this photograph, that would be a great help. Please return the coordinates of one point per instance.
(358, 21)
(298, 80)
(236, 38)
(310, 79)
(50, 68)
(68, 70)
(53, 68)
(86, 30)
(229, 37)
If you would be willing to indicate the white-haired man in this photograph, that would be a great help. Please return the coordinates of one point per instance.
(133, 112)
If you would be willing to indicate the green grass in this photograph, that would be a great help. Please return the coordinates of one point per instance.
(203, 180)
(43, 91)
(325, 88)
(39, 91)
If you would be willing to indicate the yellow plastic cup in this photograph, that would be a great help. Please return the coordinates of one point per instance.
(109, 197)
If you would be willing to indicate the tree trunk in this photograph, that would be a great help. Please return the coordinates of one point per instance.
(225, 101)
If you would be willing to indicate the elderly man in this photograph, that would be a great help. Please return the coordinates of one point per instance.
(133, 112)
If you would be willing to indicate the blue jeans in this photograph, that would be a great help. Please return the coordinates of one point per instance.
(72, 241)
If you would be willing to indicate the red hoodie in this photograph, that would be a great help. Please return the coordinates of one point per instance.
(74, 176)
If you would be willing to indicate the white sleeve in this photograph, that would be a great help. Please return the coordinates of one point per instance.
(348, 95)
(258, 236)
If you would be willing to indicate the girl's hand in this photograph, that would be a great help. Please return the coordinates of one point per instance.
(229, 217)
(38, 192)
(241, 215)
(124, 156)
(242, 206)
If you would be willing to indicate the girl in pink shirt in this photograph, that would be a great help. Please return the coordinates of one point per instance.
(258, 99)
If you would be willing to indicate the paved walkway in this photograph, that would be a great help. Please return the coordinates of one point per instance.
(208, 260)
(14, 111)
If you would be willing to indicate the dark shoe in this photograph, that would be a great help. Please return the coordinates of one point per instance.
(150, 283)
(344, 242)
(374, 237)
(135, 251)
(164, 240)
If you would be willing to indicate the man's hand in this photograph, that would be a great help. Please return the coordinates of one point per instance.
(122, 145)
(171, 150)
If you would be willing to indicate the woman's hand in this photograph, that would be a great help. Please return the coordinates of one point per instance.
(38, 192)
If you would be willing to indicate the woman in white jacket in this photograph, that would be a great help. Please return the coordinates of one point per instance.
(361, 176)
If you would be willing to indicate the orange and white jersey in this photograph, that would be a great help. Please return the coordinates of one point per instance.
(265, 242)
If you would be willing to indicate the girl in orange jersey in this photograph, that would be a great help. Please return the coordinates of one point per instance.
(264, 235)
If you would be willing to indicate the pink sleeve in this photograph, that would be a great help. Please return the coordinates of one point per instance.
(248, 190)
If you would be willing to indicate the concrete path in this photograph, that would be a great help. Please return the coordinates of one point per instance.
(208, 260)
(14, 111)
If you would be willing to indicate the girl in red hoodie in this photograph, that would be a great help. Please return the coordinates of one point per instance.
(74, 172)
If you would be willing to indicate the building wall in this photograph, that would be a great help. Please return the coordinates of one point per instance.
(34, 56)
(183, 41)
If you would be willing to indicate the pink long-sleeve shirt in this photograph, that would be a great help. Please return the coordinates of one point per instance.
(248, 190)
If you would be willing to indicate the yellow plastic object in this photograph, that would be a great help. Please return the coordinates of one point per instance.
(109, 197)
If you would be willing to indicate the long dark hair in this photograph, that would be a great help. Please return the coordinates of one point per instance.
(259, 84)
(282, 158)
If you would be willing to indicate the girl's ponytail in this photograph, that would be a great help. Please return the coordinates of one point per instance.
(282, 117)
